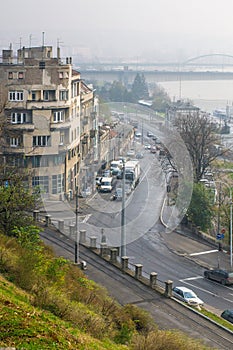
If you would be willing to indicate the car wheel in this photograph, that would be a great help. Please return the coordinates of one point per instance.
(223, 282)
(206, 275)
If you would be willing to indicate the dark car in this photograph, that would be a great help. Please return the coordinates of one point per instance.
(218, 275)
(227, 315)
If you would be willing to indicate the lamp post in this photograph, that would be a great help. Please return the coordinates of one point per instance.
(123, 237)
(76, 255)
(230, 192)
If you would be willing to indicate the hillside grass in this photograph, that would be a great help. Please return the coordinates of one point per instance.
(46, 302)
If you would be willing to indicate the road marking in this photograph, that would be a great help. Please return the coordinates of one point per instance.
(205, 290)
(205, 252)
(86, 218)
(192, 278)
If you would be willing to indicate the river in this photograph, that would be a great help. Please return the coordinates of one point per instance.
(207, 95)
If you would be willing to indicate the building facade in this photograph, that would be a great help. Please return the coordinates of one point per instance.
(48, 119)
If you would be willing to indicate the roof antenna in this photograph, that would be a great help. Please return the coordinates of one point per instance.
(42, 39)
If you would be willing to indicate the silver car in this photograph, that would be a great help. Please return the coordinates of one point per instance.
(187, 295)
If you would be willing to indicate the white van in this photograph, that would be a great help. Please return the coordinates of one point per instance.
(106, 184)
(116, 164)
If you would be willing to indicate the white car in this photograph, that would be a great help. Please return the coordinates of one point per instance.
(187, 295)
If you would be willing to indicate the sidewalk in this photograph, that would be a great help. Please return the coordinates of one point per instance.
(183, 241)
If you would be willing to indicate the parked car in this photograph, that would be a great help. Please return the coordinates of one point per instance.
(150, 134)
(115, 171)
(153, 149)
(107, 173)
(131, 153)
(187, 295)
(219, 275)
(139, 155)
(118, 194)
(227, 315)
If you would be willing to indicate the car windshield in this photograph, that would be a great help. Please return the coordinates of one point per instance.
(189, 295)
(230, 274)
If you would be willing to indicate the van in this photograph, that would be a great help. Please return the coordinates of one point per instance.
(106, 184)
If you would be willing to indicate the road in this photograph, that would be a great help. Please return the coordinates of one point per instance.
(167, 313)
(171, 254)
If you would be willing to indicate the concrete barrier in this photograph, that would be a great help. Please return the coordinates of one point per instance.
(168, 288)
(61, 225)
(47, 220)
(138, 270)
(113, 255)
(153, 279)
(124, 263)
(82, 236)
(93, 242)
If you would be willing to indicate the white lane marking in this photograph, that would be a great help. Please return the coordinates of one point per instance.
(192, 278)
(205, 252)
(86, 218)
(206, 291)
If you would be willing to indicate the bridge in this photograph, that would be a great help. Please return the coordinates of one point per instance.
(204, 67)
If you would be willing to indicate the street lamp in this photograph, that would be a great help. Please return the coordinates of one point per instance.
(230, 192)
(76, 255)
(123, 236)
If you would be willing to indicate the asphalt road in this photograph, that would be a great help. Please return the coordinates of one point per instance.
(167, 313)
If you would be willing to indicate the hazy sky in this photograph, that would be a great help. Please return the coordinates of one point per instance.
(146, 29)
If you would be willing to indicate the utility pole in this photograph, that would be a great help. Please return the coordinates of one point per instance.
(76, 255)
(123, 237)
(218, 225)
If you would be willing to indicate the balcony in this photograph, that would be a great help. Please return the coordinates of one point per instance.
(23, 127)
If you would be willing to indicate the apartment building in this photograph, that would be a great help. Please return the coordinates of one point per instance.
(48, 118)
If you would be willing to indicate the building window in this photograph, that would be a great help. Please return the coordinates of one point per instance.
(46, 95)
(20, 75)
(42, 182)
(59, 159)
(49, 95)
(10, 75)
(33, 96)
(61, 75)
(19, 118)
(63, 95)
(57, 184)
(14, 141)
(41, 141)
(40, 161)
(58, 116)
(15, 95)
(62, 138)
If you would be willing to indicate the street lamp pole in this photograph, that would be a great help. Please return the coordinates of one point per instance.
(76, 255)
(230, 191)
(230, 227)
(123, 237)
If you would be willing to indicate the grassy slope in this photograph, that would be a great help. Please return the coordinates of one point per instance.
(24, 326)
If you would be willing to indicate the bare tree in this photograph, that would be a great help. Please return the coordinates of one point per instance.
(200, 137)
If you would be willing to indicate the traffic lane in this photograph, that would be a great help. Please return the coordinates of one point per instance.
(155, 256)
(214, 294)
(124, 288)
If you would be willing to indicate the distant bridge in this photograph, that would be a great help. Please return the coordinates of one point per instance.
(204, 67)
(127, 76)
(222, 60)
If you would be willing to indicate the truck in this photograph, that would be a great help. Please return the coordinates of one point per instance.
(132, 172)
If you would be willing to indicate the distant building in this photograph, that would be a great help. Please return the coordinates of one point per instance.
(180, 108)
(48, 118)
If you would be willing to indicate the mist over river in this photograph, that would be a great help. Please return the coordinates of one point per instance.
(207, 95)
